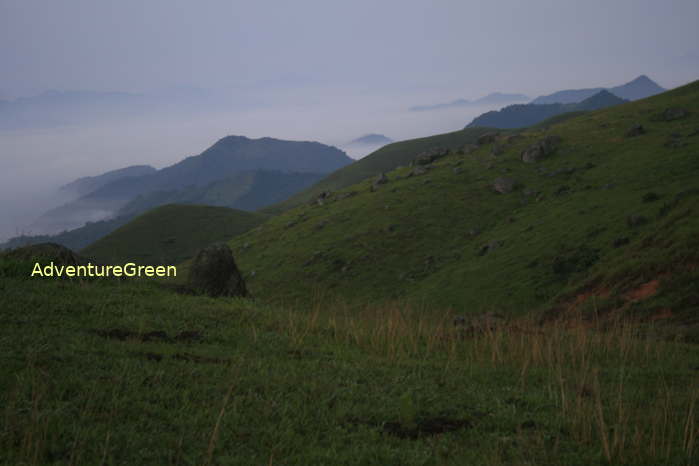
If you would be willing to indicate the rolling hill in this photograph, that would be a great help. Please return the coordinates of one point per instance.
(523, 115)
(606, 219)
(170, 234)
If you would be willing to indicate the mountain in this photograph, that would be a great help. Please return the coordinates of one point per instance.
(228, 156)
(170, 234)
(638, 88)
(249, 190)
(604, 223)
(523, 115)
(495, 98)
(88, 184)
(371, 140)
(246, 190)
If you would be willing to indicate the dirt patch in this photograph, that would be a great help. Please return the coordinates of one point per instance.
(664, 313)
(644, 291)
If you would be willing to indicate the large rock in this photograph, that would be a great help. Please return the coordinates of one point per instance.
(487, 138)
(505, 185)
(45, 253)
(214, 272)
(635, 130)
(540, 149)
(430, 155)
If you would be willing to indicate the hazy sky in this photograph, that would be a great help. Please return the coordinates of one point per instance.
(321, 70)
(470, 47)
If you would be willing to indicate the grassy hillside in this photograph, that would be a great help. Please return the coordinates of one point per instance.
(170, 234)
(608, 220)
(385, 159)
(124, 372)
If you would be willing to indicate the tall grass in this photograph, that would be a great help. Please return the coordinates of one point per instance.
(593, 369)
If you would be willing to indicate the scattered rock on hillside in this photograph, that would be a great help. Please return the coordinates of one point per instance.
(675, 141)
(497, 149)
(381, 179)
(491, 246)
(487, 138)
(46, 253)
(347, 195)
(468, 148)
(635, 130)
(636, 220)
(505, 185)
(322, 198)
(671, 114)
(430, 155)
(417, 171)
(650, 197)
(214, 272)
(540, 149)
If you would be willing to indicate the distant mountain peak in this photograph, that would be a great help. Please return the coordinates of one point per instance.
(372, 139)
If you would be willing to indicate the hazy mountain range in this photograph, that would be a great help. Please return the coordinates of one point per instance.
(638, 88)
(495, 98)
(522, 115)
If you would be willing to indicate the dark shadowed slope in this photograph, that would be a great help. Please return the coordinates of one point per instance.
(170, 234)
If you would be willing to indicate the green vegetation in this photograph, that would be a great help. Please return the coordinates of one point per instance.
(124, 372)
(385, 159)
(580, 225)
(170, 234)
(473, 309)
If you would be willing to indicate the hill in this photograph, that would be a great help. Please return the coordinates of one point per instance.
(384, 159)
(638, 88)
(523, 115)
(88, 184)
(609, 212)
(170, 234)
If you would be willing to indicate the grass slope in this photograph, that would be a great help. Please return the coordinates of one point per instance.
(124, 372)
(385, 159)
(564, 235)
(170, 234)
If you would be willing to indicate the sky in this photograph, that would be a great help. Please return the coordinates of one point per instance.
(311, 70)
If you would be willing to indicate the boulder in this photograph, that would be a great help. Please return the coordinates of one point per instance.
(46, 253)
(491, 246)
(635, 130)
(430, 155)
(540, 149)
(673, 113)
(381, 179)
(505, 185)
(417, 171)
(487, 138)
(213, 272)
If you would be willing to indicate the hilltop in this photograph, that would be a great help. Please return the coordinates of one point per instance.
(371, 140)
(607, 212)
(523, 115)
(170, 234)
(638, 88)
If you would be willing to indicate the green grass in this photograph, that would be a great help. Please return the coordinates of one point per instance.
(95, 374)
(170, 234)
(410, 238)
(384, 159)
